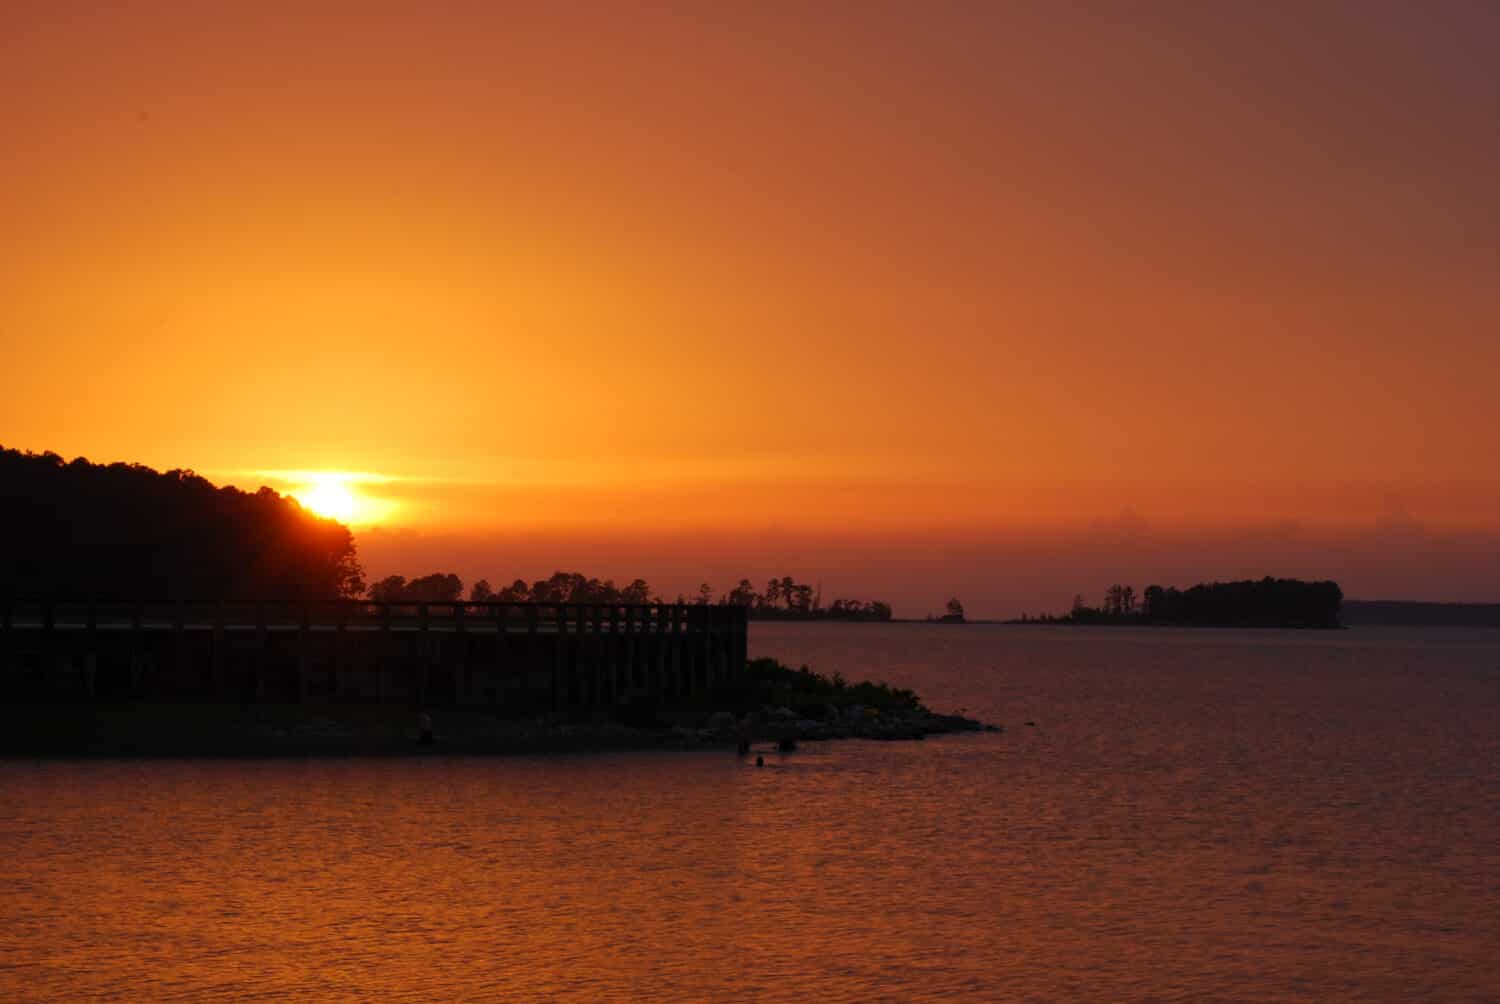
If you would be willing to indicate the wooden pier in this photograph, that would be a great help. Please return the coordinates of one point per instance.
(519, 657)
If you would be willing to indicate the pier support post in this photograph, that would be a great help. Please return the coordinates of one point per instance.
(578, 690)
(612, 657)
(716, 646)
(217, 654)
(559, 653)
(179, 643)
(7, 646)
(705, 647)
(497, 679)
(665, 677)
(340, 652)
(596, 656)
(739, 655)
(461, 667)
(533, 659)
(137, 650)
(304, 619)
(424, 662)
(49, 646)
(629, 647)
(262, 650)
(91, 651)
(384, 655)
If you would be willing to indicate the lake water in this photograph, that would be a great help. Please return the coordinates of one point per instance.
(1196, 815)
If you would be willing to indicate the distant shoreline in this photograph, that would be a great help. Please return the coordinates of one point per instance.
(1420, 613)
(1216, 626)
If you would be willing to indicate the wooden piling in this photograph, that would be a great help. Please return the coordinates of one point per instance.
(384, 657)
(532, 659)
(612, 653)
(8, 642)
(424, 655)
(559, 653)
(666, 667)
(304, 625)
(179, 643)
(218, 653)
(498, 672)
(338, 655)
(630, 649)
(595, 656)
(49, 644)
(137, 649)
(262, 655)
(91, 650)
(461, 663)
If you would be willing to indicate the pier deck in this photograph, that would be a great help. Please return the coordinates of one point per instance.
(514, 656)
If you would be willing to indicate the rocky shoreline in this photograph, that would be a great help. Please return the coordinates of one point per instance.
(467, 733)
(68, 731)
(771, 703)
(852, 722)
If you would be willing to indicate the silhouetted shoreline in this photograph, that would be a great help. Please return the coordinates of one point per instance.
(775, 704)
(181, 731)
(1248, 603)
(1418, 613)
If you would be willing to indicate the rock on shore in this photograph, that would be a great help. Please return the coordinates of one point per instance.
(853, 722)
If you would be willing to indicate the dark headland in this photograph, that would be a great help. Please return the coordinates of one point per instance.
(146, 613)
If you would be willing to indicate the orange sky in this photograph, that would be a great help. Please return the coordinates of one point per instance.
(880, 273)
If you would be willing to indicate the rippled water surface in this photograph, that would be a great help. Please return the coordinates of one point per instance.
(1196, 815)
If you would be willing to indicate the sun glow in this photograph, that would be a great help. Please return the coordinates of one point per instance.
(331, 498)
(336, 495)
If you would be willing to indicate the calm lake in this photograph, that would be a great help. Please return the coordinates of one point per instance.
(1196, 815)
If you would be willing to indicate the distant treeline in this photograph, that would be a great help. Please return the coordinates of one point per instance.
(1415, 613)
(783, 599)
(562, 587)
(1264, 602)
(124, 532)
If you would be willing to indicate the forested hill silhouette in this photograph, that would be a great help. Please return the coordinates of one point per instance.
(122, 532)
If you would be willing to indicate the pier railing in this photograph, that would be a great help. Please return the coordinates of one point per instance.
(519, 654)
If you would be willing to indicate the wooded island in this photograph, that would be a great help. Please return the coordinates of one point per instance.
(1268, 602)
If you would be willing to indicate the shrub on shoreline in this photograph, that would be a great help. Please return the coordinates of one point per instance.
(769, 682)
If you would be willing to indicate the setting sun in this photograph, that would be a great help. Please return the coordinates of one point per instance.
(332, 499)
(336, 495)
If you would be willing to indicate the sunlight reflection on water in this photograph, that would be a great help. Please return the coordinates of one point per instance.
(1197, 815)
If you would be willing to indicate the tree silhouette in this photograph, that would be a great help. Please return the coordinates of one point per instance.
(1265, 602)
(435, 588)
(124, 532)
(743, 595)
(799, 599)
